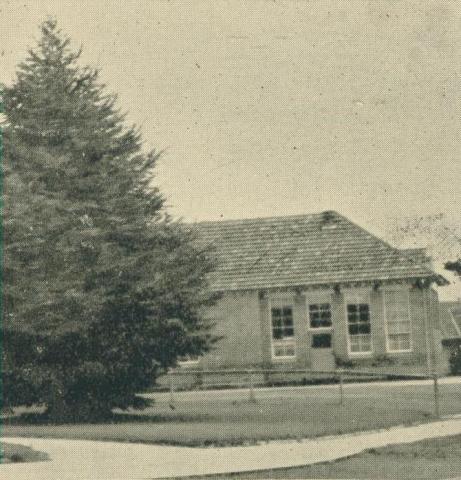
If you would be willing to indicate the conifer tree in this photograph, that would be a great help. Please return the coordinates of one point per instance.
(104, 290)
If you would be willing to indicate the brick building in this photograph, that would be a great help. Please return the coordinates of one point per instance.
(450, 320)
(317, 292)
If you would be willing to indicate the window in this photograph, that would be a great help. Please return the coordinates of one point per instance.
(283, 343)
(320, 315)
(359, 326)
(322, 340)
(285, 349)
(398, 324)
(282, 323)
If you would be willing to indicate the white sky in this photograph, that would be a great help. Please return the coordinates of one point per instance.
(279, 107)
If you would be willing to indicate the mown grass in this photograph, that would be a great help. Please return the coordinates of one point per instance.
(229, 418)
(426, 460)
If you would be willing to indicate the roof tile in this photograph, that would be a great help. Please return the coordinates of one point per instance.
(301, 250)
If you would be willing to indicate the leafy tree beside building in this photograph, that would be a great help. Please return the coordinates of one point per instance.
(454, 266)
(103, 290)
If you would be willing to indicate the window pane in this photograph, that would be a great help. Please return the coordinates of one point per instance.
(364, 328)
(276, 322)
(359, 327)
(287, 321)
(282, 323)
(287, 312)
(400, 342)
(393, 328)
(366, 343)
(360, 343)
(321, 341)
(290, 351)
(353, 329)
(405, 341)
(277, 333)
(284, 350)
(406, 327)
(402, 327)
(278, 351)
(354, 344)
(398, 320)
(289, 332)
(320, 315)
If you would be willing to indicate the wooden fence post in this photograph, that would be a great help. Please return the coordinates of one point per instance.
(436, 396)
(199, 380)
(252, 397)
(171, 390)
(341, 389)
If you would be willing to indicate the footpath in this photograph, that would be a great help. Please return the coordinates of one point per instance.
(89, 460)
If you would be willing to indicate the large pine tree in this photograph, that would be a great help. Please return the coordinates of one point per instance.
(102, 289)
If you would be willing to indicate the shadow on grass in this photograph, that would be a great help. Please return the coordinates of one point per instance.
(13, 453)
(116, 418)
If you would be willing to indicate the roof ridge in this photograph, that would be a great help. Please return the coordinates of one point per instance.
(273, 217)
(398, 251)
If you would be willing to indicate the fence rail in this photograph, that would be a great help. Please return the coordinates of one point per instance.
(346, 372)
(249, 377)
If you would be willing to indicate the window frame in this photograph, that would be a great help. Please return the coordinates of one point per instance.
(406, 293)
(285, 341)
(323, 332)
(358, 298)
(309, 322)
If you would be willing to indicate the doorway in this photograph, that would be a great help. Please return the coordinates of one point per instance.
(321, 350)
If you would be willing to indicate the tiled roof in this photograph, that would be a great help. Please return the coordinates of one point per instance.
(418, 255)
(450, 319)
(301, 250)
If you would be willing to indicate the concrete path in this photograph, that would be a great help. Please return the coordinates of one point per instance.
(87, 460)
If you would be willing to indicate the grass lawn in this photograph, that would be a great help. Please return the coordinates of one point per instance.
(229, 418)
(430, 459)
(10, 453)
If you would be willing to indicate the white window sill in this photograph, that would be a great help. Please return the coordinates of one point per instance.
(360, 354)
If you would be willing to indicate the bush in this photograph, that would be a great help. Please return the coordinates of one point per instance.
(455, 360)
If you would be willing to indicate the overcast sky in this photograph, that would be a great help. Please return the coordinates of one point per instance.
(279, 107)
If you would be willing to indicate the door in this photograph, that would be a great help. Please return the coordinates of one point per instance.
(321, 351)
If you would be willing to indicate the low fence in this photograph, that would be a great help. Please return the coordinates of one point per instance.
(251, 379)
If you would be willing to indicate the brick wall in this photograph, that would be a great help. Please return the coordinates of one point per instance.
(243, 319)
(237, 320)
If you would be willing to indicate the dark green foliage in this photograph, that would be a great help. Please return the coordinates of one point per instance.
(455, 350)
(454, 266)
(455, 360)
(102, 289)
